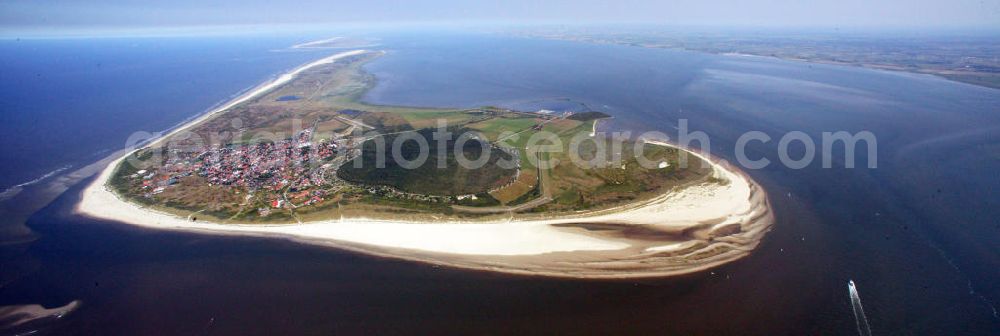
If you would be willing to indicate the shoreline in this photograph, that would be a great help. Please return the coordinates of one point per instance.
(310, 44)
(942, 74)
(255, 91)
(706, 218)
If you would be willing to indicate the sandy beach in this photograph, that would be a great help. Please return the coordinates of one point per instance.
(260, 89)
(16, 315)
(312, 44)
(707, 224)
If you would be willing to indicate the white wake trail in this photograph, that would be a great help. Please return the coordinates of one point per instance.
(859, 312)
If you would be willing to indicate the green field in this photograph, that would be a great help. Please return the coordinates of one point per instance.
(493, 128)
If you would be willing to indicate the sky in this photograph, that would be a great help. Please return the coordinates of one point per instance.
(71, 14)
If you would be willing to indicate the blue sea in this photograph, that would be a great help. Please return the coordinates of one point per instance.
(917, 234)
(67, 102)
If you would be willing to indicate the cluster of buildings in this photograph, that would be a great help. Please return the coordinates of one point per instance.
(289, 166)
(292, 173)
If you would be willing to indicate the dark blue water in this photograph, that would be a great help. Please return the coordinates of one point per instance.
(919, 231)
(66, 102)
(917, 234)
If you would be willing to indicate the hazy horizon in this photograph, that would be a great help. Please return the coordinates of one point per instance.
(111, 15)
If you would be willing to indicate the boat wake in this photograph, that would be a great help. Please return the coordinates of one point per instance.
(859, 312)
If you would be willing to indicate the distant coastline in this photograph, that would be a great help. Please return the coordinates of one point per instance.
(338, 42)
(985, 73)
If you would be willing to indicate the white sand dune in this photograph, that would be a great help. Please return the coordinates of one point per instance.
(311, 44)
(728, 203)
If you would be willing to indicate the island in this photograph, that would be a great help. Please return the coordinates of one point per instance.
(301, 157)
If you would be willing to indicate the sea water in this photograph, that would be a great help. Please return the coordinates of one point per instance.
(919, 231)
